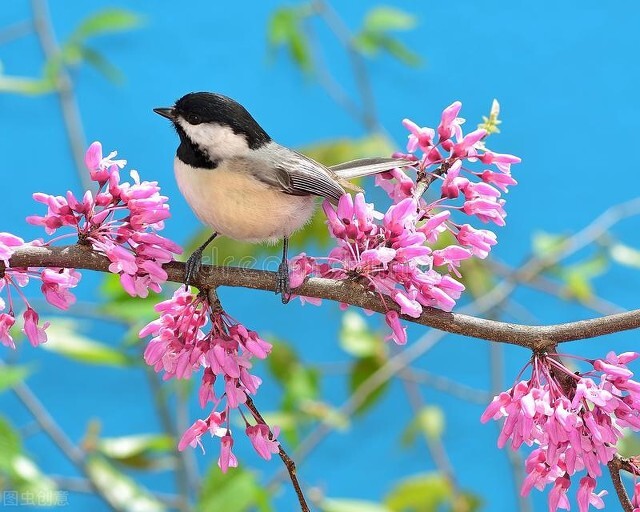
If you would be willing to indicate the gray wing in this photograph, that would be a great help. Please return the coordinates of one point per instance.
(293, 173)
(368, 166)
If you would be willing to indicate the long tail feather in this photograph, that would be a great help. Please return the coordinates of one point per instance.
(368, 166)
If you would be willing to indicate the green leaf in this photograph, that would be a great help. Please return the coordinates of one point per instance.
(361, 370)
(371, 43)
(629, 444)
(106, 21)
(120, 304)
(300, 382)
(625, 255)
(384, 18)
(374, 36)
(64, 339)
(346, 505)
(29, 480)
(10, 375)
(138, 451)
(122, 491)
(10, 445)
(326, 413)
(357, 339)
(421, 493)
(285, 29)
(282, 360)
(23, 85)
(546, 245)
(19, 473)
(236, 491)
(491, 122)
(400, 51)
(429, 421)
(101, 64)
(477, 277)
(577, 276)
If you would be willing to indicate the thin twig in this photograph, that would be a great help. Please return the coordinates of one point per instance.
(83, 486)
(64, 87)
(533, 337)
(15, 31)
(49, 426)
(496, 365)
(288, 461)
(434, 445)
(594, 230)
(168, 425)
(187, 458)
(326, 80)
(446, 385)
(368, 114)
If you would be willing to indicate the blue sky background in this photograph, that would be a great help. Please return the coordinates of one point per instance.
(566, 75)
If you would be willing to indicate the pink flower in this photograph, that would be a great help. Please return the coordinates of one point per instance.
(398, 332)
(121, 222)
(503, 162)
(587, 497)
(486, 210)
(32, 330)
(500, 180)
(190, 336)
(227, 458)
(300, 267)
(56, 283)
(263, 443)
(419, 138)
(391, 253)
(193, 434)
(479, 241)
(212, 424)
(466, 147)
(558, 495)
(449, 123)
(6, 323)
(8, 244)
(101, 168)
(574, 419)
(451, 256)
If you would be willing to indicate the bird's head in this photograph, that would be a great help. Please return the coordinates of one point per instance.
(215, 124)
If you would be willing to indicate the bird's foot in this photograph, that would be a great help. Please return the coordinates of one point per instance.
(193, 266)
(282, 282)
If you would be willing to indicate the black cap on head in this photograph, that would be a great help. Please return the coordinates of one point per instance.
(207, 107)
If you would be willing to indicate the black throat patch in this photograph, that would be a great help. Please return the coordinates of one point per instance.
(190, 154)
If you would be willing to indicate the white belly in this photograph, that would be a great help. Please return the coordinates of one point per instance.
(237, 205)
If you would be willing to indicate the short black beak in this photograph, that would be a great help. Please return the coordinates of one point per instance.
(165, 112)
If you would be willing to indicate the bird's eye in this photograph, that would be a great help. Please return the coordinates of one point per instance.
(193, 119)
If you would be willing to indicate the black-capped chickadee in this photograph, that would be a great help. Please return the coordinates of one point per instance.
(243, 184)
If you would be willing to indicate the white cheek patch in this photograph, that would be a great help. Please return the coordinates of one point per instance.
(216, 140)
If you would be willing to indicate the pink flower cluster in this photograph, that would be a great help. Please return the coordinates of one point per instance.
(573, 419)
(120, 220)
(180, 346)
(56, 283)
(394, 253)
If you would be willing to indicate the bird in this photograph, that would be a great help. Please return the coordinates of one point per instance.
(244, 185)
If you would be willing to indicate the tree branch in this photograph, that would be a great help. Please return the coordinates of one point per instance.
(617, 464)
(533, 337)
